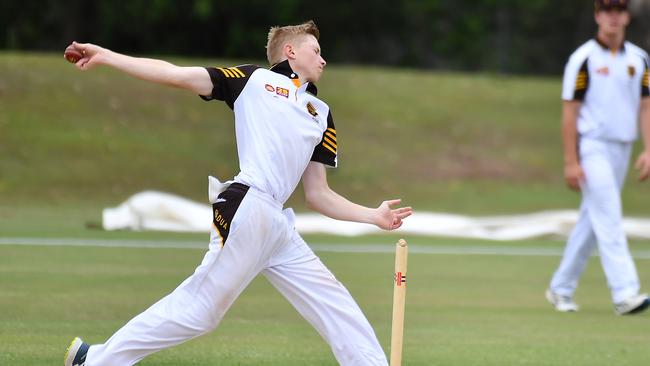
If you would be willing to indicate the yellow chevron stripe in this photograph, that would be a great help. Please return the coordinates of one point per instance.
(329, 141)
(232, 74)
(329, 148)
(237, 72)
(330, 135)
(228, 73)
(332, 130)
(326, 139)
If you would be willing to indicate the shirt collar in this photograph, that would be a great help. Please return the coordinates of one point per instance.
(283, 68)
(606, 47)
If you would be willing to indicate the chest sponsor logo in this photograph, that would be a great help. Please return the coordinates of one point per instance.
(603, 71)
(277, 90)
(282, 91)
(631, 70)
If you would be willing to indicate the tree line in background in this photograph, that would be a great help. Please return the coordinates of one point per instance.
(505, 36)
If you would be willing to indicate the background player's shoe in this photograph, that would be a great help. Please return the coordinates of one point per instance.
(632, 305)
(75, 355)
(560, 302)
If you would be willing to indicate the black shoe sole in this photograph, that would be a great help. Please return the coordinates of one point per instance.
(644, 305)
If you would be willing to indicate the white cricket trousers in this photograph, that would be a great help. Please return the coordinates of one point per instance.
(261, 239)
(605, 165)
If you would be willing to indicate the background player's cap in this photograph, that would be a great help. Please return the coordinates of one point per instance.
(610, 4)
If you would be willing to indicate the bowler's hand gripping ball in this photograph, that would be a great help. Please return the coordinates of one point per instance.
(72, 54)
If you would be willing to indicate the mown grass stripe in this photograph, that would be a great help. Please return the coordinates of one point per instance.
(322, 247)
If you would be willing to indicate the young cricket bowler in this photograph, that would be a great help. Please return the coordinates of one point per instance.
(284, 133)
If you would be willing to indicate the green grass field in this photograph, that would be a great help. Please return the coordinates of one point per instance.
(461, 309)
(73, 143)
(465, 143)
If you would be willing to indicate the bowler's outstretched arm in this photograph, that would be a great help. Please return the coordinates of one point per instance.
(195, 79)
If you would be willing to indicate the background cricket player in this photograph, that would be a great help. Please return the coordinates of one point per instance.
(284, 134)
(605, 93)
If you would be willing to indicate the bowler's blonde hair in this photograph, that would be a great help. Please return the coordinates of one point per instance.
(279, 36)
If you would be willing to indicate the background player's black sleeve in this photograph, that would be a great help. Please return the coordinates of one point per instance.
(325, 151)
(228, 82)
(582, 82)
(645, 82)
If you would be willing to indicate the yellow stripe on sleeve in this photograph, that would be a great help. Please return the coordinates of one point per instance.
(332, 143)
(330, 135)
(237, 72)
(228, 73)
(329, 148)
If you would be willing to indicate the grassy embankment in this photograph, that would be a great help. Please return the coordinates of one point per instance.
(477, 144)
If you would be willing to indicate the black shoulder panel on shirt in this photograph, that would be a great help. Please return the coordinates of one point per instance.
(228, 82)
(325, 151)
(645, 83)
(582, 82)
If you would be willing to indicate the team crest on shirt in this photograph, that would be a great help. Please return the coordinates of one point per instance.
(631, 70)
(603, 71)
(311, 109)
(269, 87)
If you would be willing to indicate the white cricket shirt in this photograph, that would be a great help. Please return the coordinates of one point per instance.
(280, 125)
(610, 85)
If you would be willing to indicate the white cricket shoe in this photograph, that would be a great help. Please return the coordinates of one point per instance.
(632, 305)
(561, 303)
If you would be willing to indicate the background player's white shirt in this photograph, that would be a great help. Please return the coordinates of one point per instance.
(610, 85)
(279, 126)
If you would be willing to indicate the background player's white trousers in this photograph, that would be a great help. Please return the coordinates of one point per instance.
(605, 165)
(261, 240)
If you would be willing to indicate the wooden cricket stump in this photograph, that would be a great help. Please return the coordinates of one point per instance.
(399, 300)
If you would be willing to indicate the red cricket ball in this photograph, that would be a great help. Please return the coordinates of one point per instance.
(72, 54)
